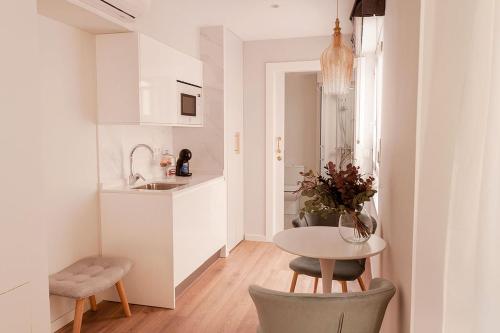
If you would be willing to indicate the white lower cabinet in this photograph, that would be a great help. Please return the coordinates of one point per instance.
(199, 227)
(15, 307)
(167, 235)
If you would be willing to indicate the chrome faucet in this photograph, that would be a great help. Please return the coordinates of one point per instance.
(134, 177)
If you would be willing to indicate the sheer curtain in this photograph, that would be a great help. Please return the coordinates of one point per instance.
(472, 258)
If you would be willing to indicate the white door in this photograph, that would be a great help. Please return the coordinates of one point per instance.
(233, 124)
(22, 227)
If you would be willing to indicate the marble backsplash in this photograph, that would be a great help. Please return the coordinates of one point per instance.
(115, 143)
(207, 143)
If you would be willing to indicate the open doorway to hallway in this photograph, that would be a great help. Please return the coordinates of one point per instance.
(302, 135)
(318, 128)
(305, 133)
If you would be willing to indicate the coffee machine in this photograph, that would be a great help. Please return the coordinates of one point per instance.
(182, 167)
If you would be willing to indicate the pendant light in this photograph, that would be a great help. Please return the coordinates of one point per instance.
(337, 63)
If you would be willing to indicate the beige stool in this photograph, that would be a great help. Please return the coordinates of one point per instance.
(88, 277)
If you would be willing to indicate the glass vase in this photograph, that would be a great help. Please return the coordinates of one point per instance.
(356, 227)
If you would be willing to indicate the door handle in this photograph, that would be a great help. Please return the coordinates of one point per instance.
(237, 142)
(278, 150)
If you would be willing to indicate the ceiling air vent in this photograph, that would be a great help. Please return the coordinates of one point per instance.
(124, 10)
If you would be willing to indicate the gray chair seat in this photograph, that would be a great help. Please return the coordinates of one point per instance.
(345, 270)
(88, 276)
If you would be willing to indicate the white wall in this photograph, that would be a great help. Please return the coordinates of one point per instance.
(397, 166)
(171, 25)
(256, 55)
(23, 272)
(69, 146)
(301, 120)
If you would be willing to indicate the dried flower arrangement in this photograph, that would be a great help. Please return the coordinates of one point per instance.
(342, 191)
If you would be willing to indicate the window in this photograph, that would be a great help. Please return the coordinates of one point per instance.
(368, 38)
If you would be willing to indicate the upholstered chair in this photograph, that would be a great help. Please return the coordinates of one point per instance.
(357, 312)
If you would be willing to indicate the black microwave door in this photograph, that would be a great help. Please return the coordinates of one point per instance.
(188, 105)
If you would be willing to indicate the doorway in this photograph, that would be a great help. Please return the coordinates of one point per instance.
(275, 138)
(302, 136)
(326, 133)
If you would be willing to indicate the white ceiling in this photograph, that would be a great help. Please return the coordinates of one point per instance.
(256, 19)
(177, 22)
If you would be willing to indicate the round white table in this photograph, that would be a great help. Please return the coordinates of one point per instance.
(326, 244)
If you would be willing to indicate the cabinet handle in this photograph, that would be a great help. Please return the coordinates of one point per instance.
(237, 142)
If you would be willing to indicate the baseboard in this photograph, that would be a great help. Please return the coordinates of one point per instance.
(196, 274)
(255, 238)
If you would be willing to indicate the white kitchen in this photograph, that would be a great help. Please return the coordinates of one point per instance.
(158, 105)
(120, 110)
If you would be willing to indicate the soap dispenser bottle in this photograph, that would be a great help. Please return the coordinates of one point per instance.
(168, 164)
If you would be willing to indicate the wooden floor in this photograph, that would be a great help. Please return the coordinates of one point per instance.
(217, 301)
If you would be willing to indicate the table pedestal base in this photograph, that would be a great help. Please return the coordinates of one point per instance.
(327, 266)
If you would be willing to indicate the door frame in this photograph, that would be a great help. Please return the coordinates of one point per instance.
(275, 112)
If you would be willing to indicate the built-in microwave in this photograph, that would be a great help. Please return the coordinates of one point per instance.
(190, 106)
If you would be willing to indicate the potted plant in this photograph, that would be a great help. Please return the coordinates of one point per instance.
(343, 191)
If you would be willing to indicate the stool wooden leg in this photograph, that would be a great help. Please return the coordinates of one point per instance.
(361, 284)
(123, 298)
(294, 282)
(316, 285)
(344, 286)
(93, 303)
(77, 322)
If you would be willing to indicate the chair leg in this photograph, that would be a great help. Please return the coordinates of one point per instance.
(294, 282)
(344, 286)
(316, 285)
(77, 322)
(123, 298)
(361, 283)
(93, 303)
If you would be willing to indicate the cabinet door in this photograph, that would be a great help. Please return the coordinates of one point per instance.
(22, 245)
(15, 309)
(199, 226)
(158, 86)
(138, 226)
(20, 135)
(117, 61)
(233, 118)
(15, 252)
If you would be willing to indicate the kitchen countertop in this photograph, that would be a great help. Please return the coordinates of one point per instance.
(187, 183)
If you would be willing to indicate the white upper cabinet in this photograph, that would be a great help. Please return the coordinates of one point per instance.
(137, 81)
